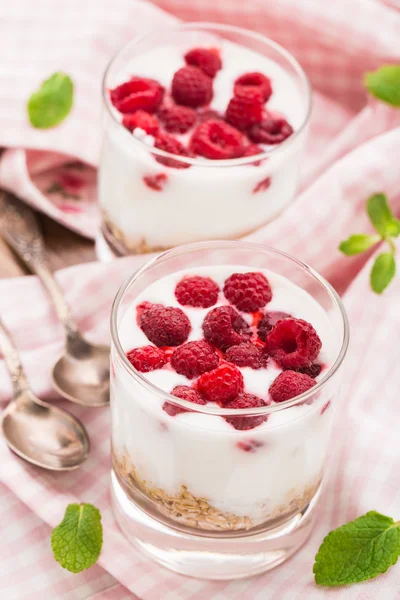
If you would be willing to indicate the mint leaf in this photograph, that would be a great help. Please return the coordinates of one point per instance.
(384, 84)
(357, 551)
(52, 102)
(382, 217)
(358, 243)
(76, 542)
(383, 271)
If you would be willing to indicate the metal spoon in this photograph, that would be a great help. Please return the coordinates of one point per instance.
(35, 430)
(82, 374)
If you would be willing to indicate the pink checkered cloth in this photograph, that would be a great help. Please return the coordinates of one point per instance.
(353, 152)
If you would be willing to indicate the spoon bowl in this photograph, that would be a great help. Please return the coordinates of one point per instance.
(44, 435)
(82, 373)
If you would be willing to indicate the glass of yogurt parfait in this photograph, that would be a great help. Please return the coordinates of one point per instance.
(225, 370)
(205, 126)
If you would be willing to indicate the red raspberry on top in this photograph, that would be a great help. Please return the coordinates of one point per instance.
(191, 87)
(208, 60)
(224, 327)
(197, 291)
(194, 358)
(141, 119)
(222, 384)
(252, 150)
(311, 370)
(269, 320)
(293, 343)
(164, 325)
(245, 108)
(185, 393)
(247, 354)
(208, 114)
(139, 93)
(244, 400)
(177, 119)
(217, 140)
(248, 291)
(288, 385)
(168, 143)
(147, 358)
(270, 131)
(252, 80)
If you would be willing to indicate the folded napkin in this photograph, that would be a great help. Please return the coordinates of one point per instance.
(353, 152)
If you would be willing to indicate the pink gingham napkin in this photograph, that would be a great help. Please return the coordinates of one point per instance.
(353, 152)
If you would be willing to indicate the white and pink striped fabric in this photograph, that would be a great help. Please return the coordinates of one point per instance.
(353, 152)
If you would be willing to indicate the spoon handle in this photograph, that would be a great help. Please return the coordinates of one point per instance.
(13, 361)
(21, 230)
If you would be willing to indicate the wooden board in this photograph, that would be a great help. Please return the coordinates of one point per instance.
(64, 248)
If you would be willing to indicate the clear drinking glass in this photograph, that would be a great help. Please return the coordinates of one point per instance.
(210, 199)
(212, 503)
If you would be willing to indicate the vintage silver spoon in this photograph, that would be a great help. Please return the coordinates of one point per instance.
(35, 430)
(82, 374)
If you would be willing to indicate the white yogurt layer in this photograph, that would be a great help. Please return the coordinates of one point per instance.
(204, 201)
(203, 451)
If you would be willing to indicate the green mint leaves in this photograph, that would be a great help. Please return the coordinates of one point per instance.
(387, 228)
(357, 551)
(384, 84)
(52, 102)
(76, 542)
(382, 217)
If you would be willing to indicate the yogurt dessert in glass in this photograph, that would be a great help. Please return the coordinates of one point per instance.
(226, 362)
(204, 131)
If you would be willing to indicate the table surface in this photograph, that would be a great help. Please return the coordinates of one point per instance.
(63, 247)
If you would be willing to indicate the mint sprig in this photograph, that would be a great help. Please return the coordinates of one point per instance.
(76, 542)
(52, 102)
(387, 228)
(384, 84)
(357, 551)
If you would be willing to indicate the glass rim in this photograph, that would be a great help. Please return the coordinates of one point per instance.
(199, 408)
(203, 25)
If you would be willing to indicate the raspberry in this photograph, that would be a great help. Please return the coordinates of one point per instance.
(156, 182)
(138, 93)
(224, 327)
(197, 291)
(293, 343)
(141, 119)
(168, 143)
(164, 325)
(194, 358)
(312, 370)
(288, 385)
(217, 140)
(244, 400)
(262, 185)
(270, 131)
(208, 114)
(252, 80)
(222, 384)
(185, 393)
(269, 320)
(252, 150)
(177, 119)
(245, 108)
(247, 354)
(325, 407)
(207, 60)
(250, 445)
(247, 291)
(147, 358)
(191, 87)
